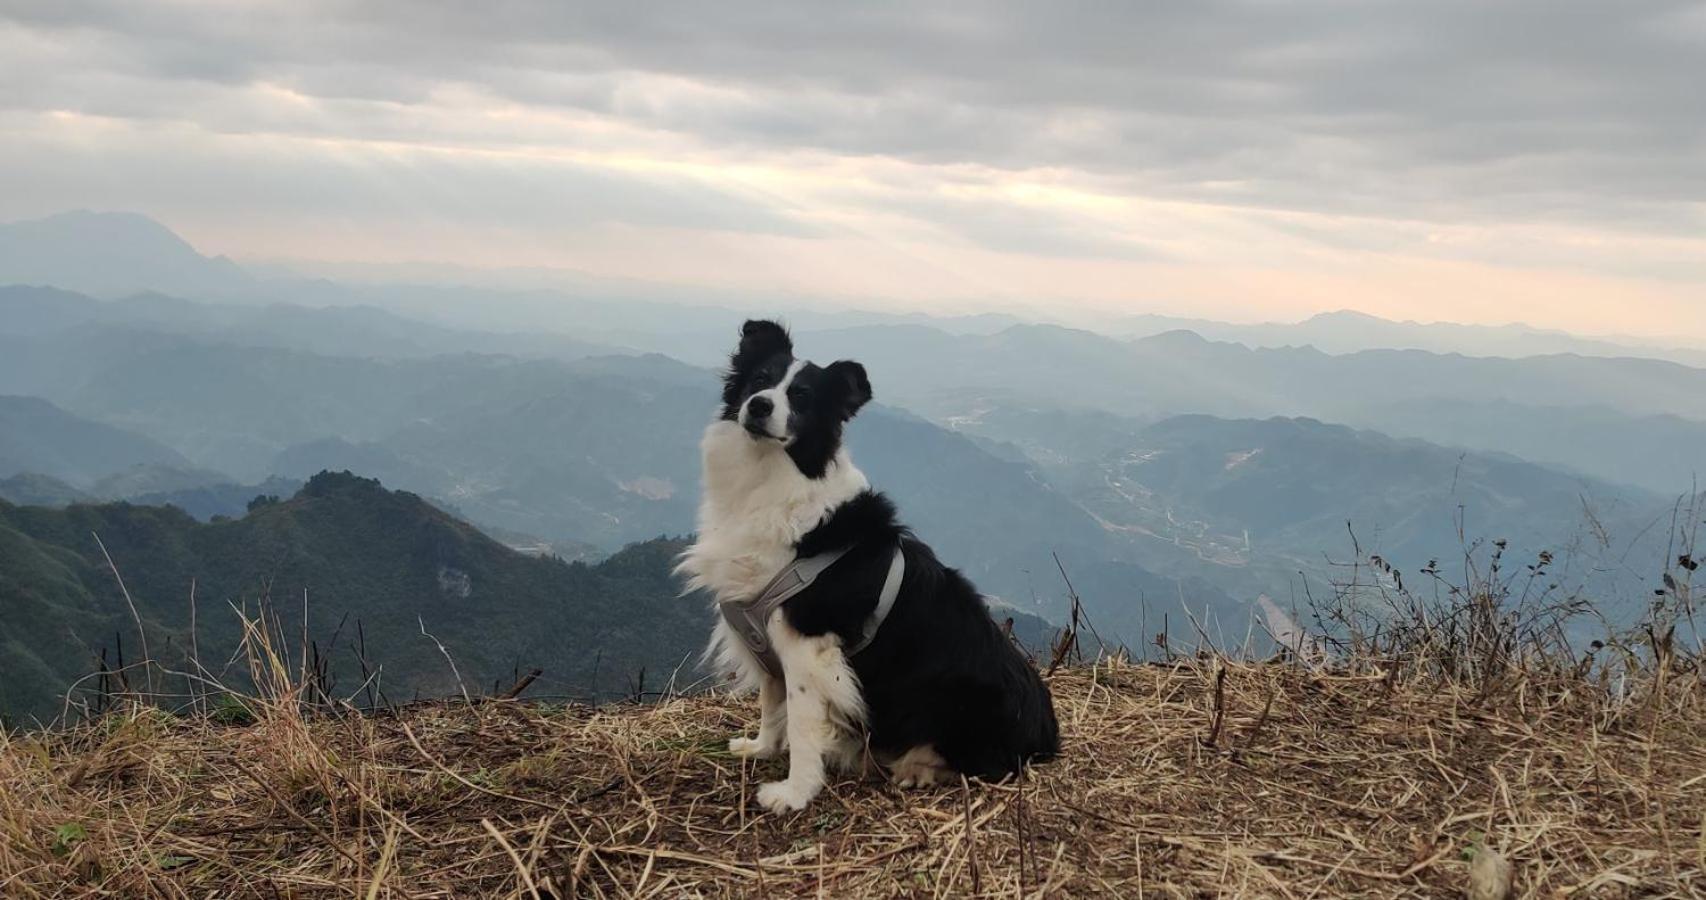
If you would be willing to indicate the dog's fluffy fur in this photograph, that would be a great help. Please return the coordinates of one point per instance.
(940, 690)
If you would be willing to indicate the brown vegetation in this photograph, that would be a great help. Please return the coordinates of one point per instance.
(1192, 778)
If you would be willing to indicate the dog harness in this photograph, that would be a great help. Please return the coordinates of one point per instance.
(749, 617)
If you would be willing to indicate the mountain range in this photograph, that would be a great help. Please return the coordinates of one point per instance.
(602, 451)
(38, 437)
(120, 254)
(964, 378)
(1256, 502)
(1164, 472)
(112, 254)
(1348, 331)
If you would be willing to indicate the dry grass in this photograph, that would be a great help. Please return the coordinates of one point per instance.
(1193, 779)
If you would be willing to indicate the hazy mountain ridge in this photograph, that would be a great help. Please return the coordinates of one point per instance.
(601, 450)
(39, 437)
(963, 378)
(50, 457)
(127, 256)
(337, 330)
(1181, 372)
(1254, 503)
(507, 443)
(433, 425)
(112, 253)
(1347, 331)
(33, 489)
(136, 254)
(1661, 453)
(206, 501)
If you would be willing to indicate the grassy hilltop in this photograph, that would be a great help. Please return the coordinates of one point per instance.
(1187, 779)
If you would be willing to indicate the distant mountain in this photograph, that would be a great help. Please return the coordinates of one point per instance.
(37, 310)
(114, 255)
(358, 331)
(232, 408)
(204, 495)
(40, 438)
(111, 254)
(1661, 453)
(951, 377)
(153, 478)
(600, 450)
(30, 489)
(966, 379)
(1348, 331)
(1280, 496)
(213, 499)
(691, 328)
(1665, 455)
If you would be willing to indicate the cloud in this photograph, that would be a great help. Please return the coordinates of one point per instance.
(1415, 107)
(1237, 132)
(300, 178)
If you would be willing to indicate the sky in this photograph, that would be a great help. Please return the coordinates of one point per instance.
(1474, 161)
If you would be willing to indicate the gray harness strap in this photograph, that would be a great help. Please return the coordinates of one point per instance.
(885, 601)
(749, 618)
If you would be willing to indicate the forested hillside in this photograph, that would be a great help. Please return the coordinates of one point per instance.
(369, 564)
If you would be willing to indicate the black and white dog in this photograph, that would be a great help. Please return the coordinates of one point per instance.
(938, 689)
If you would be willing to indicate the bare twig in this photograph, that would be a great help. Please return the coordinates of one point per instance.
(453, 670)
(141, 633)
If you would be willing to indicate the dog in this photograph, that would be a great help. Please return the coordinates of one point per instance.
(937, 690)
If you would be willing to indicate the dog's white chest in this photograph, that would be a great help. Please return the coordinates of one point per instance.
(756, 507)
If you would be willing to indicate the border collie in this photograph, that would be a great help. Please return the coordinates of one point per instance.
(939, 690)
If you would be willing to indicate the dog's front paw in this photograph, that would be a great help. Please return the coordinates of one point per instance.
(785, 796)
(750, 748)
(921, 777)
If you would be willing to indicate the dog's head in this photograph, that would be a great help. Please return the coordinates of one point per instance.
(793, 403)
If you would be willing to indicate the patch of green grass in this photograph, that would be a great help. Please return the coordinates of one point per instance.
(699, 745)
(229, 709)
(66, 838)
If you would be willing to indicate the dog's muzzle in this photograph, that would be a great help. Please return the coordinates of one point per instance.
(756, 416)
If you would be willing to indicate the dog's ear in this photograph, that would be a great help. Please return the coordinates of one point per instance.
(849, 378)
(762, 339)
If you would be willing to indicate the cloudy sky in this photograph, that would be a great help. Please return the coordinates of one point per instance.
(1470, 161)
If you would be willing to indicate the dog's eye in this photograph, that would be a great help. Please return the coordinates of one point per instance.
(799, 393)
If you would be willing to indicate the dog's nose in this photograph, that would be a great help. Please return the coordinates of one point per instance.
(760, 407)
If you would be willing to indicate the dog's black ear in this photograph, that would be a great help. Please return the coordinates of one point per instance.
(849, 377)
(762, 339)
